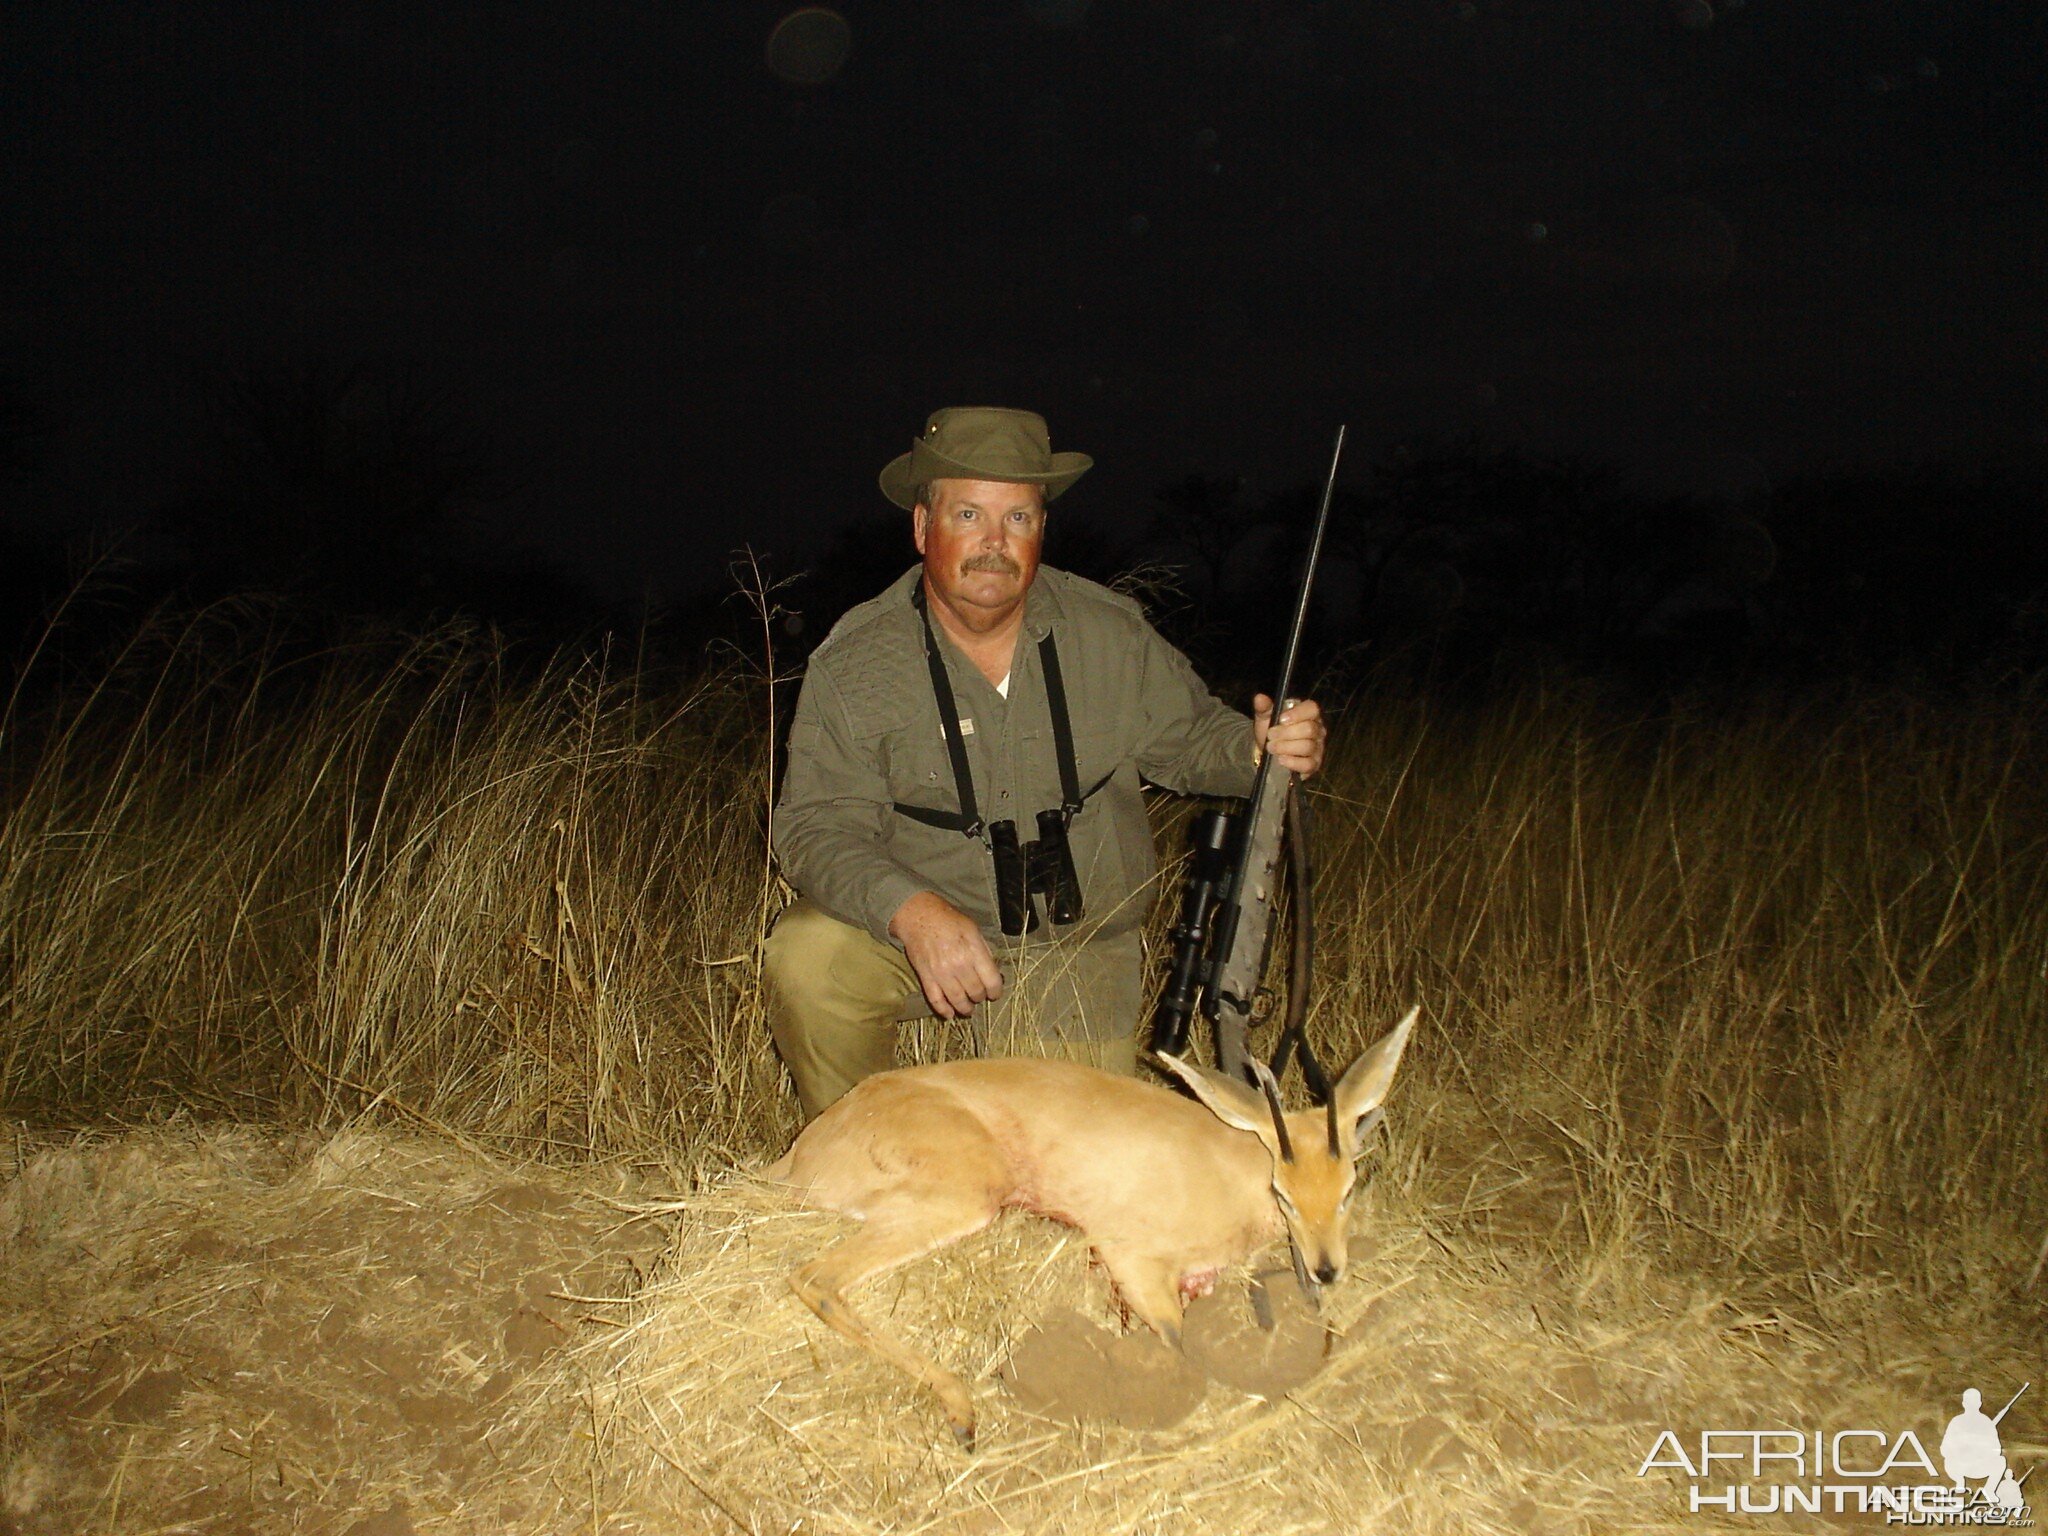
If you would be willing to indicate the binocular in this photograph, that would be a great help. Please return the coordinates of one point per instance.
(1043, 867)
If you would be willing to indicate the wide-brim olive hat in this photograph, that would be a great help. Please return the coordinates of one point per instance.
(982, 442)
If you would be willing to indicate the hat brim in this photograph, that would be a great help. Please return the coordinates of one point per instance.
(902, 475)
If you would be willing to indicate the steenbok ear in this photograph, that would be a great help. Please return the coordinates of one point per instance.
(1236, 1104)
(1364, 1085)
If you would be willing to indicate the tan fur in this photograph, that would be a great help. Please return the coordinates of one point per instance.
(1168, 1190)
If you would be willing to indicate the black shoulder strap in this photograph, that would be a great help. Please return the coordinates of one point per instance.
(968, 820)
(1071, 798)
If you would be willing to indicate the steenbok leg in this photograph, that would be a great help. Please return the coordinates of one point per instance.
(1149, 1286)
(894, 1234)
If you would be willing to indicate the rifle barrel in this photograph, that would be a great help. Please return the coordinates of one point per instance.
(1293, 652)
(2015, 1398)
(1308, 580)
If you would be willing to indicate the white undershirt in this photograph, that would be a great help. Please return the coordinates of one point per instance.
(1004, 686)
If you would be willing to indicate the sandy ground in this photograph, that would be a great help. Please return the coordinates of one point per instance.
(371, 1333)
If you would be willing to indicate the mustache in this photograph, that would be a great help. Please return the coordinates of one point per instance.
(1001, 564)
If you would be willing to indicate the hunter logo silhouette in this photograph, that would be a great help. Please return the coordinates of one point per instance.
(1972, 1453)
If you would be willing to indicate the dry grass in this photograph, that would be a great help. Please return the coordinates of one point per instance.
(248, 882)
(1727, 1113)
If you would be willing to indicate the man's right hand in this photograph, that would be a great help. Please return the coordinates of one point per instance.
(946, 949)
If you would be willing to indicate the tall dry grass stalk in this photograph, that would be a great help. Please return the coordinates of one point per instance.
(1762, 992)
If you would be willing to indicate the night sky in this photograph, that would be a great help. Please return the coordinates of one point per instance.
(689, 302)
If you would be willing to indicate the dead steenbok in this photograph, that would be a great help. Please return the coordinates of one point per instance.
(1169, 1192)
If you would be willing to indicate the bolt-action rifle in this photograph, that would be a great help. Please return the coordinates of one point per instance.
(1231, 897)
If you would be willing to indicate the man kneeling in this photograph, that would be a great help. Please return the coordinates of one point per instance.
(963, 813)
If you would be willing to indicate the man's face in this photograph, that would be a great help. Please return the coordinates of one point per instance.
(981, 544)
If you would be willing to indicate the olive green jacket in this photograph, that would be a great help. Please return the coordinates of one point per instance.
(867, 735)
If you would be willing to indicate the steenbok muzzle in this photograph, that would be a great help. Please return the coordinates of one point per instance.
(1170, 1192)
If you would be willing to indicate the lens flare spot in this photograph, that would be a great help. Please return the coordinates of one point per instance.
(809, 46)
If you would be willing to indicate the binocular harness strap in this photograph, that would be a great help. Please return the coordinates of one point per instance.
(968, 819)
(1071, 798)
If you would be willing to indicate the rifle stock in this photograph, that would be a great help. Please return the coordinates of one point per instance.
(1245, 931)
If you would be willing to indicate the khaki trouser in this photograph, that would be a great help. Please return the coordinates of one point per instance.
(836, 995)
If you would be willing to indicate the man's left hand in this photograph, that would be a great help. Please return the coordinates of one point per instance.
(1296, 740)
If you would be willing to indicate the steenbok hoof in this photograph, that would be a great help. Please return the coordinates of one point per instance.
(963, 1436)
